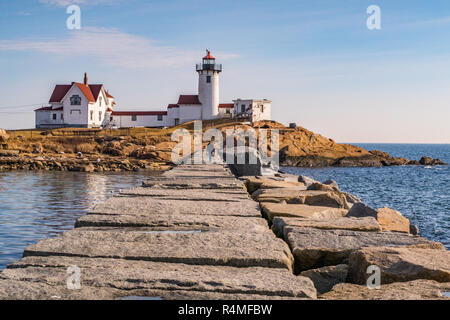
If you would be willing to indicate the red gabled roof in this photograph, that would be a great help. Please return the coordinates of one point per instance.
(139, 113)
(95, 90)
(109, 109)
(59, 92)
(170, 106)
(226, 105)
(91, 91)
(108, 95)
(86, 91)
(188, 99)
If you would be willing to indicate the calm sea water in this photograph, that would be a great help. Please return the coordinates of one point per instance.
(421, 193)
(38, 205)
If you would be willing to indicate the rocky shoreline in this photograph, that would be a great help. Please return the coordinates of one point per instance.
(375, 158)
(298, 148)
(198, 232)
(80, 164)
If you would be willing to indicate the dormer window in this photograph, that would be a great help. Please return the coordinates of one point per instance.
(75, 100)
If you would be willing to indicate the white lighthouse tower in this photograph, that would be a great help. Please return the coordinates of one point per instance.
(208, 86)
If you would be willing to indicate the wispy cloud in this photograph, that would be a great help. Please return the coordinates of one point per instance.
(112, 48)
(24, 13)
(64, 3)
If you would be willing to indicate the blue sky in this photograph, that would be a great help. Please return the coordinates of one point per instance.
(316, 60)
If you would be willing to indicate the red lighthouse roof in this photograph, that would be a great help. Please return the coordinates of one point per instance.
(208, 55)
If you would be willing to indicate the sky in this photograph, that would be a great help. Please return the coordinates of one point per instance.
(316, 60)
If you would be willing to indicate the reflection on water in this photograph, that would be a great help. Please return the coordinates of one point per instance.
(38, 205)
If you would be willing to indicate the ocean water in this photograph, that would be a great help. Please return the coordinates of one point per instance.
(38, 205)
(420, 193)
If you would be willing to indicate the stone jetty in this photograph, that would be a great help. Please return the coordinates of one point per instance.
(199, 232)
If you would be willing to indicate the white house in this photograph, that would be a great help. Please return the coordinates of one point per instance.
(76, 105)
(257, 110)
(85, 105)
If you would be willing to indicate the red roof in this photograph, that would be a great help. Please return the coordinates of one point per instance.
(188, 99)
(86, 91)
(170, 106)
(91, 91)
(139, 113)
(108, 95)
(59, 92)
(109, 109)
(95, 90)
(226, 105)
(208, 56)
(49, 109)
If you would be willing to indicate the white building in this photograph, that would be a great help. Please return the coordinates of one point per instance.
(76, 105)
(84, 105)
(257, 110)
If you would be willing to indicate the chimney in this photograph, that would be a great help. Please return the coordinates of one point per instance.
(85, 78)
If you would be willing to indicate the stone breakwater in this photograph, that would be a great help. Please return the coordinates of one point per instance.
(198, 232)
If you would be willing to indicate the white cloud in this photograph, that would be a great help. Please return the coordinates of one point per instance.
(112, 48)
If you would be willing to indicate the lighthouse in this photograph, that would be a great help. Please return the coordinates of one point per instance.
(208, 86)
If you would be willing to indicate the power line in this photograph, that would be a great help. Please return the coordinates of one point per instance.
(23, 106)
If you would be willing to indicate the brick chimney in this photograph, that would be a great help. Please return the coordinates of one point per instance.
(85, 78)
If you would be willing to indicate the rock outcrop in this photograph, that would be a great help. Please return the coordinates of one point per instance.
(400, 264)
(389, 219)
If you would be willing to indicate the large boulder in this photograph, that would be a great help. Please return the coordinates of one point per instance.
(301, 210)
(315, 248)
(412, 290)
(326, 277)
(389, 219)
(295, 196)
(356, 224)
(236, 248)
(46, 278)
(400, 264)
(256, 183)
(332, 187)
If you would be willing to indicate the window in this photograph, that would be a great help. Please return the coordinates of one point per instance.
(208, 79)
(262, 108)
(177, 121)
(92, 115)
(54, 116)
(243, 108)
(160, 117)
(75, 100)
(227, 111)
(75, 111)
(62, 116)
(110, 118)
(99, 116)
(100, 100)
(133, 118)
